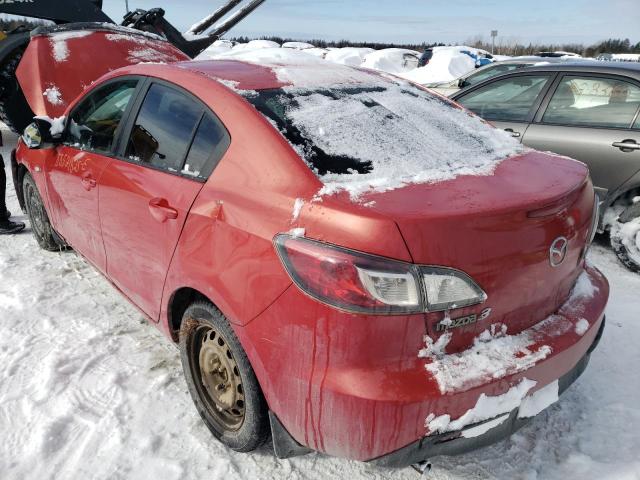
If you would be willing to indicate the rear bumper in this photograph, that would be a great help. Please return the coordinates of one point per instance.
(353, 386)
(454, 443)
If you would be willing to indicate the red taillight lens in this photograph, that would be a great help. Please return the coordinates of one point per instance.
(350, 280)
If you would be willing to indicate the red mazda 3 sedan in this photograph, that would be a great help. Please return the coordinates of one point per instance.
(348, 262)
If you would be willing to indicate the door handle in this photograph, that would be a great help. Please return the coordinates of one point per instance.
(88, 182)
(627, 145)
(513, 132)
(161, 211)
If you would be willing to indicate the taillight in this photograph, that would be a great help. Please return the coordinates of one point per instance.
(363, 283)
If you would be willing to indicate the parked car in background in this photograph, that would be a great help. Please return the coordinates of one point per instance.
(484, 73)
(588, 111)
(432, 315)
(559, 54)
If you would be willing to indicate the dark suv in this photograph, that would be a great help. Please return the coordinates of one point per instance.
(588, 111)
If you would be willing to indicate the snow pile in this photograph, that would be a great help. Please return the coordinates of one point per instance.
(349, 55)
(53, 96)
(299, 69)
(317, 52)
(448, 63)
(486, 408)
(59, 43)
(256, 45)
(392, 60)
(630, 235)
(298, 45)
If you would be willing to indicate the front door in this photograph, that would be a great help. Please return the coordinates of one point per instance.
(591, 118)
(508, 103)
(74, 176)
(145, 195)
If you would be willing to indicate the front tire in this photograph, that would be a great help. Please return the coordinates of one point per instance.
(38, 218)
(625, 241)
(221, 382)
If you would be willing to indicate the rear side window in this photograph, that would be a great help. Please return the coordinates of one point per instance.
(509, 99)
(209, 145)
(593, 102)
(94, 124)
(164, 129)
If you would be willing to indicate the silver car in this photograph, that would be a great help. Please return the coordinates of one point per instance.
(589, 111)
(481, 74)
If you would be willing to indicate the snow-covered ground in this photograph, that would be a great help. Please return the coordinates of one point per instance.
(89, 390)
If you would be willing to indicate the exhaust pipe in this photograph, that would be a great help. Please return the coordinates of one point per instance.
(423, 468)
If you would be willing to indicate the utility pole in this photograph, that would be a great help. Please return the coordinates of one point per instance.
(494, 34)
(126, 4)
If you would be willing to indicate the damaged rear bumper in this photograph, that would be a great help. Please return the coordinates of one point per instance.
(455, 443)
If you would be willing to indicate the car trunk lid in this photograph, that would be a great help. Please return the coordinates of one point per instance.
(500, 229)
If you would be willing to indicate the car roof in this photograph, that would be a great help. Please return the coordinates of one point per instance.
(631, 69)
(244, 75)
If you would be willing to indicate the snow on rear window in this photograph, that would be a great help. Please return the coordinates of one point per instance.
(383, 136)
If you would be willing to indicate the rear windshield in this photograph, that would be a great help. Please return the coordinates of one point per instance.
(382, 136)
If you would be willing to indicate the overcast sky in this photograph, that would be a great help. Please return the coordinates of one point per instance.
(556, 21)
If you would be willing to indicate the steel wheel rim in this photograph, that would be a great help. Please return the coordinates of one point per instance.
(36, 211)
(217, 378)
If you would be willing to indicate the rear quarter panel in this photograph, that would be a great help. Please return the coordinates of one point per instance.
(226, 250)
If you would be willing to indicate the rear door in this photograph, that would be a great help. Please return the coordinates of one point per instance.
(508, 102)
(74, 178)
(594, 119)
(171, 146)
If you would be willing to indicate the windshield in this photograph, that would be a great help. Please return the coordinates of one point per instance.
(489, 72)
(382, 136)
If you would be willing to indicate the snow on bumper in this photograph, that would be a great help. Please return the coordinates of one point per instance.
(531, 361)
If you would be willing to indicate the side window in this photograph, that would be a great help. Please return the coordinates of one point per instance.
(593, 102)
(95, 122)
(164, 128)
(208, 147)
(508, 99)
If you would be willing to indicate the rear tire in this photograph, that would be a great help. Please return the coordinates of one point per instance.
(221, 381)
(38, 218)
(625, 241)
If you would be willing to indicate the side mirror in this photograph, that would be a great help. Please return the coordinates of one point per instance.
(462, 83)
(43, 132)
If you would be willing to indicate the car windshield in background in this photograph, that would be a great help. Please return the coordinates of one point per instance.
(381, 132)
(489, 72)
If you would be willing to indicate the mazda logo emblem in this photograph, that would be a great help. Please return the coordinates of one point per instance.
(558, 251)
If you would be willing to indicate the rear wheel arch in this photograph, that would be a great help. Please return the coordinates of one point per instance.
(180, 300)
